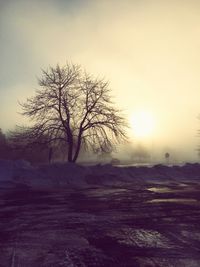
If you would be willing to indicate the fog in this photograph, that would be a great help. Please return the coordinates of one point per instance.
(148, 50)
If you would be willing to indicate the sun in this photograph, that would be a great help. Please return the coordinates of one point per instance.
(142, 124)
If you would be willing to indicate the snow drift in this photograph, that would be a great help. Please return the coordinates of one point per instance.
(60, 175)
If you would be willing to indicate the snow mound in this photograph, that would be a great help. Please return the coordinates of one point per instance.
(9, 168)
(60, 175)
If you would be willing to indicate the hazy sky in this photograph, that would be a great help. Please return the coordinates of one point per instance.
(149, 51)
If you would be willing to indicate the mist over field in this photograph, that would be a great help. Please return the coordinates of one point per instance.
(100, 133)
(147, 50)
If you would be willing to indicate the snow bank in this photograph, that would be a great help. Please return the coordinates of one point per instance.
(8, 168)
(73, 175)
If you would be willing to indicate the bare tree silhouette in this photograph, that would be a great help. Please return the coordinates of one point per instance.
(72, 108)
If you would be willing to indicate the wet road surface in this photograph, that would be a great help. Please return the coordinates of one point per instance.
(147, 225)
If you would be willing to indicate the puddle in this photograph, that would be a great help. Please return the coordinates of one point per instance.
(165, 189)
(104, 192)
(160, 189)
(178, 200)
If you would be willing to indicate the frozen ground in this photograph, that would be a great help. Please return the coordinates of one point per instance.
(106, 217)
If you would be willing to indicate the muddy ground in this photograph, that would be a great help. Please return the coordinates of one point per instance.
(126, 225)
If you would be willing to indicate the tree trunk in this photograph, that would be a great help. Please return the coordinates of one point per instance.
(70, 149)
(78, 148)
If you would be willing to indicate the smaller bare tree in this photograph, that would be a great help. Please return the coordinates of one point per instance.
(72, 108)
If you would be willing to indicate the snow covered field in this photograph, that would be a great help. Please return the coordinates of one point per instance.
(70, 215)
(72, 175)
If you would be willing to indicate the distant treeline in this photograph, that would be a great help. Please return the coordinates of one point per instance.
(34, 154)
(46, 153)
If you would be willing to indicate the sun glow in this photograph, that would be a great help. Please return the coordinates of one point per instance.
(142, 124)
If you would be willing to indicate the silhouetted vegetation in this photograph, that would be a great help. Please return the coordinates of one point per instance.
(72, 110)
(15, 151)
(3, 145)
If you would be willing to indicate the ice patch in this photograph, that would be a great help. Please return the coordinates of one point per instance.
(141, 238)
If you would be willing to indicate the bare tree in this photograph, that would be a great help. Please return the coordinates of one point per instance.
(72, 108)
